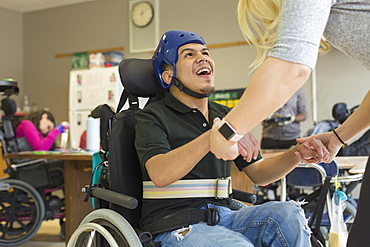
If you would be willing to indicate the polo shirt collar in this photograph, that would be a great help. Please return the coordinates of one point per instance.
(175, 104)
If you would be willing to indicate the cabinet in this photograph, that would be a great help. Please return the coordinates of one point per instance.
(89, 88)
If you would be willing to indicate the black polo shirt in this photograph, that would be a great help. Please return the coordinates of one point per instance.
(166, 125)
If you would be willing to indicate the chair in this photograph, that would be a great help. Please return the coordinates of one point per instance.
(317, 179)
(26, 197)
(119, 192)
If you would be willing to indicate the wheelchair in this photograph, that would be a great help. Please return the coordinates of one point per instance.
(315, 184)
(28, 194)
(117, 194)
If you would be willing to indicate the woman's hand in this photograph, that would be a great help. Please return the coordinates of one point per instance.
(63, 126)
(219, 146)
(329, 143)
(248, 147)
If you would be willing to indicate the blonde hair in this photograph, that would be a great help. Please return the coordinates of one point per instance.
(261, 28)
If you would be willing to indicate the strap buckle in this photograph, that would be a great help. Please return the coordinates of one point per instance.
(213, 216)
(222, 193)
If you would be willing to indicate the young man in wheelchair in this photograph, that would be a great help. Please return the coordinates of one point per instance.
(180, 174)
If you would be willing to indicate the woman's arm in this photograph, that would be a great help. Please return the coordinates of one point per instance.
(35, 138)
(270, 170)
(274, 82)
(294, 53)
(357, 122)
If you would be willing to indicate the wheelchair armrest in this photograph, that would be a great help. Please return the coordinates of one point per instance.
(114, 197)
(27, 163)
(349, 178)
(244, 196)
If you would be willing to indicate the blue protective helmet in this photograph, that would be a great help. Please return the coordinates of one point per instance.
(167, 49)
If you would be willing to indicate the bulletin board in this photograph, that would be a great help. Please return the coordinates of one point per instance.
(228, 98)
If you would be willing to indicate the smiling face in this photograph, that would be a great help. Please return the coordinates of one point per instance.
(195, 68)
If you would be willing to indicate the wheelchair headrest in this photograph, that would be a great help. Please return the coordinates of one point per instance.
(138, 78)
(340, 112)
(9, 106)
(9, 87)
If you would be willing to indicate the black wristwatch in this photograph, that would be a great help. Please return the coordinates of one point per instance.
(229, 132)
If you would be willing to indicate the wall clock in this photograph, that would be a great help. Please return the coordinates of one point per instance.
(142, 14)
(143, 25)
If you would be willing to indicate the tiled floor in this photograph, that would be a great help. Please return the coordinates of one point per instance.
(47, 236)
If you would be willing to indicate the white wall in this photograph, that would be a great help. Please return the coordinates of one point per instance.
(11, 46)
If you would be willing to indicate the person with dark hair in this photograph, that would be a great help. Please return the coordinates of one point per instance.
(183, 181)
(39, 129)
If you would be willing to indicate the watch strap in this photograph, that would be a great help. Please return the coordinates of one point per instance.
(233, 137)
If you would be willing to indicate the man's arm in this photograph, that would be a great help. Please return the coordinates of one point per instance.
(270, 170)
(300, 117)
(164, 169)
(161, 167)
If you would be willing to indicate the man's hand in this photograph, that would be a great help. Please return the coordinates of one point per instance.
(219, 146)
(313, 151)
(248, 147)
(328, 140)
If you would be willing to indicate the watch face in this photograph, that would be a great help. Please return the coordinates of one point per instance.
(226, 131)
(142, 14)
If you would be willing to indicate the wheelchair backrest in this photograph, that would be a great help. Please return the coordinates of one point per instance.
(12, 144)
(311, 174)
(118, 133)
(9, 107)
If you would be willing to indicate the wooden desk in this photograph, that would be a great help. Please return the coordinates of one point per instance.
(77, 174)
(240, 180)
(355, 164)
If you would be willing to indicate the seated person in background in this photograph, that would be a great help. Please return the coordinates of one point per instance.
(281, 129)
(172, 142)
(39, 129)
(83, 140)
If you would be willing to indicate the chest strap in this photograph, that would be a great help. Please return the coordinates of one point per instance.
(189, 188)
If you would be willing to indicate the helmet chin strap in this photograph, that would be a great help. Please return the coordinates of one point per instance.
(186, 90)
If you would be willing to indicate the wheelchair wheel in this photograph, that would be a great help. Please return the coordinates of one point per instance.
(22, 211)
(86, 235)
(118, 227)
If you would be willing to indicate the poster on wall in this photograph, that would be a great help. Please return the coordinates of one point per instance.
(228, 97)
